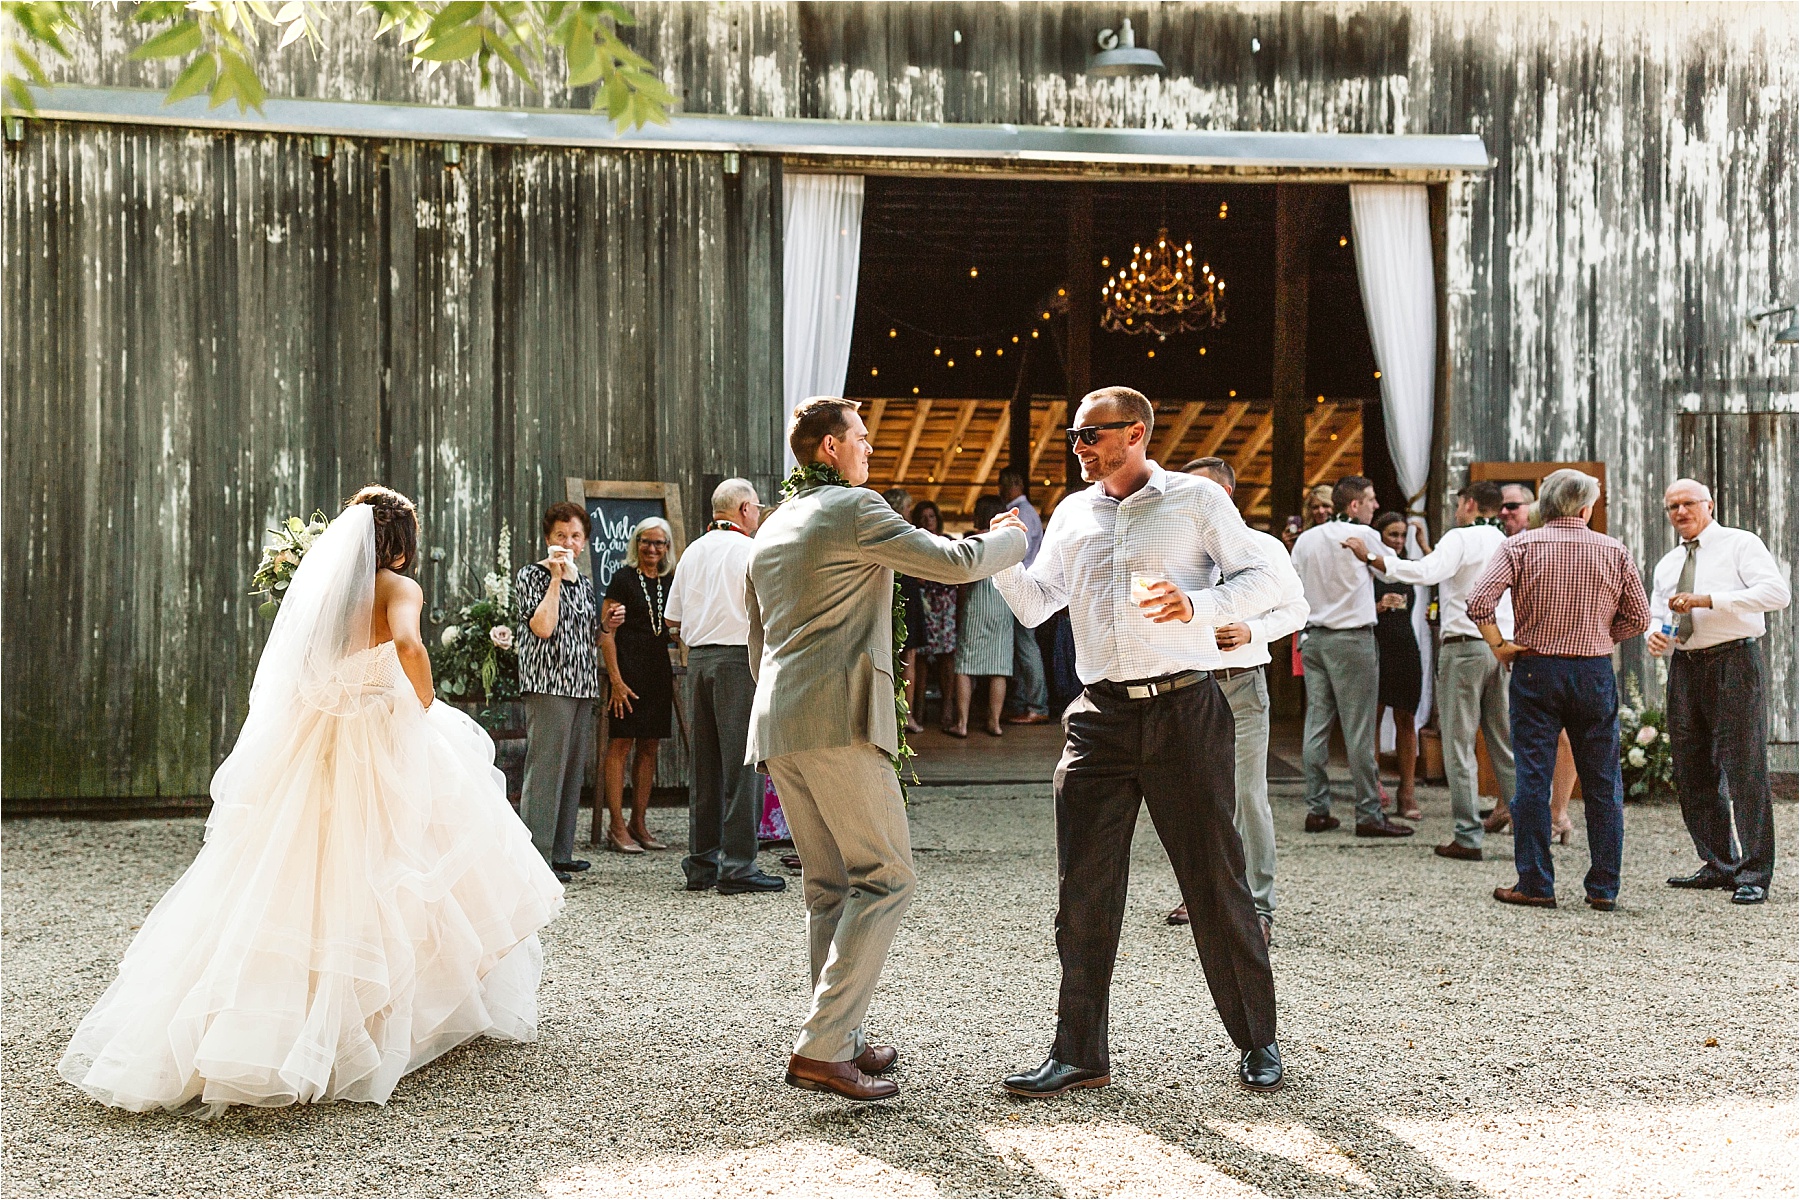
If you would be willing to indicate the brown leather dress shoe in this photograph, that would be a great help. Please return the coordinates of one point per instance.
(1506, 895)
(844, 1079)
(876, 1060)
(1457, 850)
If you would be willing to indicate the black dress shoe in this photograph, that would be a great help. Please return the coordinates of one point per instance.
(574, 865)
(756, 881)
(561, 876)
(700, 885)
(1708, 876)
(1321, 822)
(1383, 828)
(1260, 1070)
(1749, 893)
(1053, 1079)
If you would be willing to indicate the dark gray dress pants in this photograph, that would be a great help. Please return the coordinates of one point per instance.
(727, 798)
(1176, 752)
(559, 735)
(1719, 735)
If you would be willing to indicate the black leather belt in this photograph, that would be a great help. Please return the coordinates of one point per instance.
(1224, 673)
(1145, 689)
(1721, 648)
(1454, 638)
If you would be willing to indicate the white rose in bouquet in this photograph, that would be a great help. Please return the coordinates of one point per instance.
(1627, 716)
(501, 636)
(1646, 735)
(448, 638)
(1665, 736)
(1636, 757)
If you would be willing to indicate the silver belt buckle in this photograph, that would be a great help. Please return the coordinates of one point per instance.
(1139, 691)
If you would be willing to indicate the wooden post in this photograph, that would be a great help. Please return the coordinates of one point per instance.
(1295, 208)
(1081, 314)
(1018, 446)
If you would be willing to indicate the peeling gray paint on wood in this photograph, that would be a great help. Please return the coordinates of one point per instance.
(538, 313)
(205, 333)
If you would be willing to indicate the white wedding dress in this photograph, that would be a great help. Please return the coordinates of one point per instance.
(365, 901)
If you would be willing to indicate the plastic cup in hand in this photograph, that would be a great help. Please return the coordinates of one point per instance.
(1140, 589)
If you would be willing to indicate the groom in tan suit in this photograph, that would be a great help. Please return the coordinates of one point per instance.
(820, 597)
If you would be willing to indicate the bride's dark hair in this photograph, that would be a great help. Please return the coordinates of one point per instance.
(396, 527)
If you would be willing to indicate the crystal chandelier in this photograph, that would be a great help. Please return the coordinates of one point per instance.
(1161, 292)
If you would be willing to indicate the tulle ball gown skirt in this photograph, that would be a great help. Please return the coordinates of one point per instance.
(365, 901)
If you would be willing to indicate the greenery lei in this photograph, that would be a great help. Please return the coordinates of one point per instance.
(1494, 521)
(815, 474)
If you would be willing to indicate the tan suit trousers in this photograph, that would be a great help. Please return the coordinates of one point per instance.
(848, 818)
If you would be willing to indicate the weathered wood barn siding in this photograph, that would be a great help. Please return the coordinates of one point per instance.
(206, 332)
(206, 315)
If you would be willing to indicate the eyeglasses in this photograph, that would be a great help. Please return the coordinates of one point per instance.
(647, 544)
(1512, 504)
(1678, 505)
(1088, 435)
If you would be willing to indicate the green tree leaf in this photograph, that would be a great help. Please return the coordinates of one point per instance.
(196, 79)
(171, 43)
(453, 46)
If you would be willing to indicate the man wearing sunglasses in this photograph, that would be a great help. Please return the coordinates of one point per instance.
(1149, 565)
(1515, 508)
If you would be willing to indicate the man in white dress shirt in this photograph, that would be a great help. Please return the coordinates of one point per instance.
(1339, 658)
(707, 599)
(1710, 593)
(1471, 683)
(1137, 559)
(1244, 651)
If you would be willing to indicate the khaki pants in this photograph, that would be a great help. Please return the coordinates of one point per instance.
(848, 818)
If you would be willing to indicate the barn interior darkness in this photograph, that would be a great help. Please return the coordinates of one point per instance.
(963, 308)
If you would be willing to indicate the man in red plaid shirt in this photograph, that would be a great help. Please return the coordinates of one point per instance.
(1575, 594)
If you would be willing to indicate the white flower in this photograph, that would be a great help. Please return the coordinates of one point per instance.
(1636, 757)
(501, 636)
(1628, 716)
(1665, 736)
(1646, 735)
(450, 634)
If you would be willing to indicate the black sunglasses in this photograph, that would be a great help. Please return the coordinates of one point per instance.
(1512, 504)
(1088, 435)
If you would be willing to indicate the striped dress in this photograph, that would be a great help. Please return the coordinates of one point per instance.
(984, 641)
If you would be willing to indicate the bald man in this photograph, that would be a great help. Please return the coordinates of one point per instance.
(1707, 602)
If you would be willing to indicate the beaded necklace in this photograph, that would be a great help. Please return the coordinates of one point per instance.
(724, 526)
(656, 617)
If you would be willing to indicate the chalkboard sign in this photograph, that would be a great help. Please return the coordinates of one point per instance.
(615, 509)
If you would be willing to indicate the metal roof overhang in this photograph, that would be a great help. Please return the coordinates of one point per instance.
(918, 144)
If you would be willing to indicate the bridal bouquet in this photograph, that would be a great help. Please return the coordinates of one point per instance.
(474, 656)
(1645, 760)
(281, 558)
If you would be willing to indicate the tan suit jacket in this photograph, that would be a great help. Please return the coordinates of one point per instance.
(820, 595)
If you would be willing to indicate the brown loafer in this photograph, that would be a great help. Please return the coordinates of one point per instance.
(1457, 850)
(1506, 895)
(839, 1078)
(876, 1060)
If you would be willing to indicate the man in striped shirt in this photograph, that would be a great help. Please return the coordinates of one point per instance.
(1576, 594)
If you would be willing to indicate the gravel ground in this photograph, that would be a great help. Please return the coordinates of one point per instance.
(1437, 1043)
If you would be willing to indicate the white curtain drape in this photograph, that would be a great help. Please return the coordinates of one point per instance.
(1392, 225)
(821, 251)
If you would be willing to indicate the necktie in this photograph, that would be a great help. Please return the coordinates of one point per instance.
(1684, 627)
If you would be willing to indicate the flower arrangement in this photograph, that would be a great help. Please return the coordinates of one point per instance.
(281, 558)
(1645, 760)
(474, 657)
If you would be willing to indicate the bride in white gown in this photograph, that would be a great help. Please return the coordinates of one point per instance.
(365, 901)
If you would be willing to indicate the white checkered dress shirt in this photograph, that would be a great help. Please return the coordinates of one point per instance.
(1181, 528)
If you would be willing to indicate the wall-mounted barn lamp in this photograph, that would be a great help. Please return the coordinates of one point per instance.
(1783, 337)
(1121, 55)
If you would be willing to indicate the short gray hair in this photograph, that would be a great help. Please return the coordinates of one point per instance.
(732, 494)
(644, 526)
(1705, 492)
(1566, 492)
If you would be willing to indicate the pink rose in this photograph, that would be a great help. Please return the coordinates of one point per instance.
(1646, 735)
(501, 636)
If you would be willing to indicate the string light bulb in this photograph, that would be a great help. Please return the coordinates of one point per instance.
(998, 351)
(1034, 333)
(978, 352)
(915, 391)
(1015, 339)
(973, 273)
(1378, 374)
(1203, 351)
(874, 370)
(1152, 354)
(1343, 241)
(1233, 392)
(949, 362)
(938, 351)
(893, 333)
